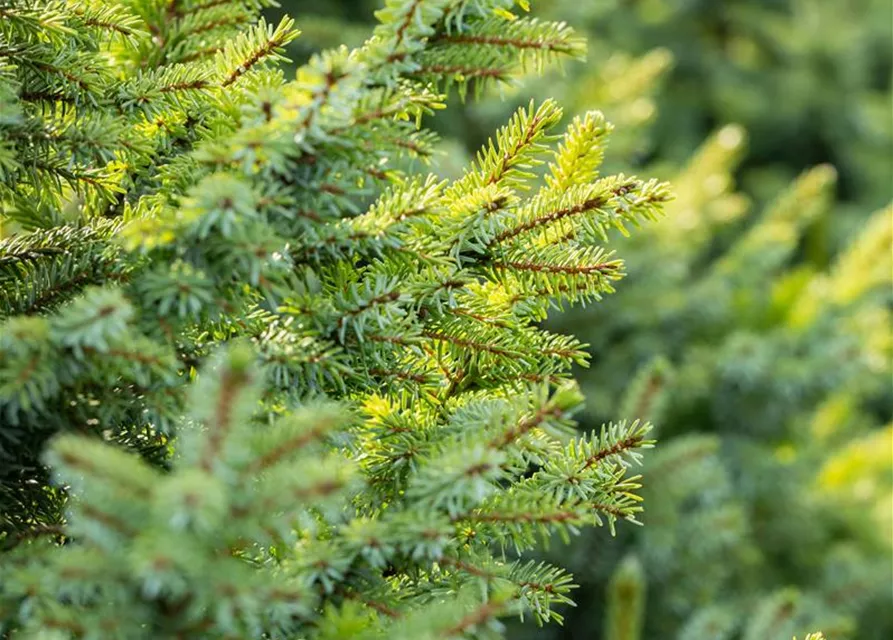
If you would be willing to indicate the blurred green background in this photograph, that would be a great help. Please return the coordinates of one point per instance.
(754, 327)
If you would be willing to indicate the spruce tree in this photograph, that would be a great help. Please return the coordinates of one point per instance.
(260, 374)
(754, 323)
(774, 421)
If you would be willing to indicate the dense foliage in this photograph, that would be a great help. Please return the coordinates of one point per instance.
(756, 325)
(284, 383)
(810, 81)
(758, 332)
(756, 322)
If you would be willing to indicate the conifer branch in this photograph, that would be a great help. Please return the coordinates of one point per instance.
(301, 439)
(602, 267)
(466, 71)
(626, 444)
(526, 426)
(231, 383)
(178, 11)
(302, 365)
(482, 614)
(469, 344)
(553, 216)
(504, 41)
(257, 46)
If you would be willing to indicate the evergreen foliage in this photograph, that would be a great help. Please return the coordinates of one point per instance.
(286, 384)
(810, 81)
(771, 391)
